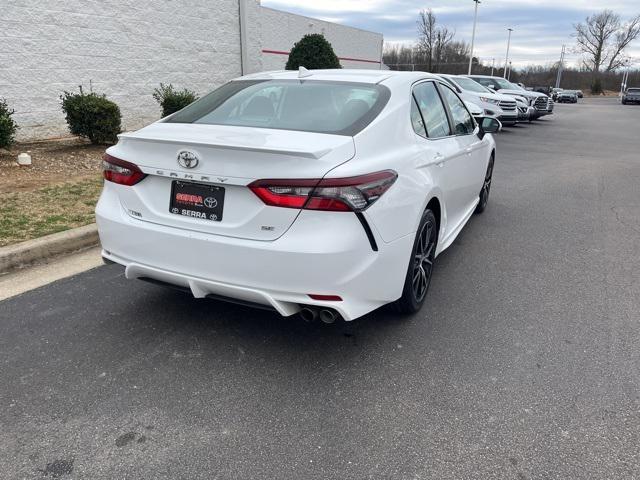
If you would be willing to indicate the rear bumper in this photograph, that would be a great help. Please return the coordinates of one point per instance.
(321, 253)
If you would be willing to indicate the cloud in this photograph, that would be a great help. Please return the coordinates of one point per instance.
(541, 27)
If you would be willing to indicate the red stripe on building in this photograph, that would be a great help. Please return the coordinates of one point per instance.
(346, 59)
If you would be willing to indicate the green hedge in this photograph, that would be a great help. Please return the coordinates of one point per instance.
(92, 116)
(313, 51)
(8, 126)
(172, 100)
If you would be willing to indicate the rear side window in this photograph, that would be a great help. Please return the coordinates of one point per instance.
(432, 110)
(416, 119)
(463, 123)
(342, 108)
(451, 84)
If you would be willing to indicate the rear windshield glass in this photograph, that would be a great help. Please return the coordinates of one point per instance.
(634, 90)
(342, 108)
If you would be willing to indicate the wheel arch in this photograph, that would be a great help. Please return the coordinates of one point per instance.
(436, 208)
(434, 201)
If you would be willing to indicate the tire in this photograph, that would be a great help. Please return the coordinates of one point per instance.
(486, 187)
(420, 270)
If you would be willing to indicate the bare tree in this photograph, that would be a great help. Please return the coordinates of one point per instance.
(602, 38)
(443, 38)
(433, 40)
(627, 34)
(427, 35)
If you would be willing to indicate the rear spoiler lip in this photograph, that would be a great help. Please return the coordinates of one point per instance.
(293, 153)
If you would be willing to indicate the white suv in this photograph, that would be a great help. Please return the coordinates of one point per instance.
(502, 107)
(542, 103)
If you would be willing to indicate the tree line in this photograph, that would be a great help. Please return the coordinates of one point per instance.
(601, 40)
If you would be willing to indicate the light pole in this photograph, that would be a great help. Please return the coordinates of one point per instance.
(509, 75)
(506, 61)
(560, 66)
(473, 35)
(493, 64)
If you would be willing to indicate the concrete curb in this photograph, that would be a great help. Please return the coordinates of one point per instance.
(43, 248)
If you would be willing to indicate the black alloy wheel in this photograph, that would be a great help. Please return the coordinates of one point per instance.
(486, 187)
(423, 261)
(420, 269)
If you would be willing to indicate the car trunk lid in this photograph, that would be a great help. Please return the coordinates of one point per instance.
(228, 159)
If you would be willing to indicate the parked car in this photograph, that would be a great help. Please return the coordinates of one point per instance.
(554, 93)
(541, 89)
(479, 113)
(526, 113)
(541, 102)
(501, 107)
(327, 192)
(474, 109)
(550, 102)
(631, 95)
(567, 96)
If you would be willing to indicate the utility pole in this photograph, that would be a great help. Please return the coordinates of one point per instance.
(560, 67)
(493, 64)
(473, 35)
(506, 60)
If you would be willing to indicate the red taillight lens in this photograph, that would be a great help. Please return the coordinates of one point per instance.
(119, 171)
(352, 194)
(283, 193)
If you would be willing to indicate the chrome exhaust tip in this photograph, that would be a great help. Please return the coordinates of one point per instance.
(308, 314)
(328, 316)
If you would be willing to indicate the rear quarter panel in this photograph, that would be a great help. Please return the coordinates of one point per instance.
(390, 143)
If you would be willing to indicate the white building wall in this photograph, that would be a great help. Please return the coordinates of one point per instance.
(253, 32)
(126, 48)
(356, 48)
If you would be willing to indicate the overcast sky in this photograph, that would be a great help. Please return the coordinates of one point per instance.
(540, 26)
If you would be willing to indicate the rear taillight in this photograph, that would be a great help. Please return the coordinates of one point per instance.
(352, 194)
(119, 171)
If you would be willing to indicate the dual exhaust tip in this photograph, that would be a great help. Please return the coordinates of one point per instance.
(326, 315)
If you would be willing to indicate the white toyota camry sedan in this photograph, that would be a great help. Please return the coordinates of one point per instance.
(327, 193)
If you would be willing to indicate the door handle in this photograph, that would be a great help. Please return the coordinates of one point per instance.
(438, 158)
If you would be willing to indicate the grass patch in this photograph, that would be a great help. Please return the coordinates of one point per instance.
(51, 209)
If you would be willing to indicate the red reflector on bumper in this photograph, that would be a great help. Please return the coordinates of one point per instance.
(325, 298)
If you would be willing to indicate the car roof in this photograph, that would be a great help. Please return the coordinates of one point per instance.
(343, 75)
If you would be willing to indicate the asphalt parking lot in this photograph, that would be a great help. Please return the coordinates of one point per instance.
(524, 364)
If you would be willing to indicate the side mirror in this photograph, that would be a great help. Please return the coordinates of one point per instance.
(488, 125)
(492, 87)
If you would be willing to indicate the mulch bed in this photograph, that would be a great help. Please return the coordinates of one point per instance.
(53, 162)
